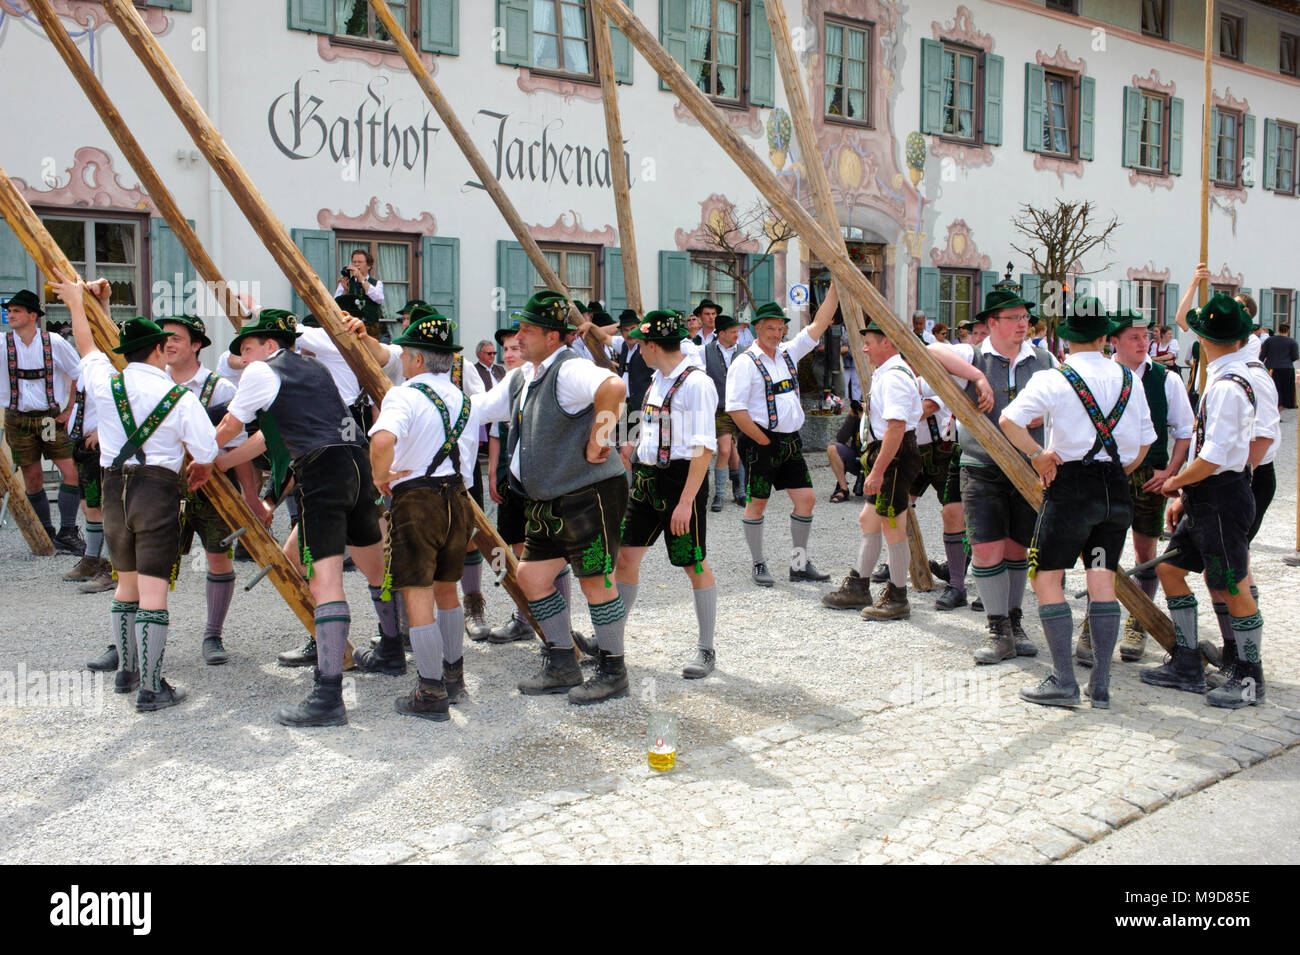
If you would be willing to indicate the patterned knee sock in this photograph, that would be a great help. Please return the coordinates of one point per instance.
(1017, 574)
(608, 620)
(122, 626)
(993, 585)
(706, 614)
(1250, 634)
(552, 615)
(426, 646)
(471, 578)
(1103, 622)
(386, 611)
(1182, 609)
(628, 593)
(451, 623)
(954, 547)
(220, 589)
(151, 644)
(333, 621)
(800, 530)
(94, 539)
(754, 538)
(1057, 627)
(564, 584)
(69, 505)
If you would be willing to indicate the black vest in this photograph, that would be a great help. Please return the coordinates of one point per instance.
(308, 410)
(1153, 384)
(638, 374)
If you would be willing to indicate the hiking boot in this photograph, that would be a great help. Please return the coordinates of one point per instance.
(69, 541)
(86, 568)
(429, 701)
(977, 605)
(890, 605)
(1000, 645)
(105, 662)
(1100, 698)
(587, 647)
(853, 594)
(101, 581)
(1214, 656)
(809, 574)
(761, 575)
(609, 682)
(560, 672)
(453, 681)
(857, 485)
(387, 658)
(940, 570)
(1024, 646)
(716, 504)
(1183, 671)
(322, 707)
(1083, 654)
(881, 574)
(1244, 687)
(1133, 642)
(126, 681)
(1051, 693)
(515, 629)
(304, 656)
(214, 653)
(149, 700)
(701, 666)
(476, 625)
(739, 495)
(950, 599)
(1225, 660)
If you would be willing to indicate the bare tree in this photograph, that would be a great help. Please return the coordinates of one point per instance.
(730, 230)
(1056, 242)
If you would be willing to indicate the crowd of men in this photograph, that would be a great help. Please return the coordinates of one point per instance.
(579, 493)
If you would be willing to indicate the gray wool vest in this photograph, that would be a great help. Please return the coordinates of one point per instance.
(995, 368)
(553, 443)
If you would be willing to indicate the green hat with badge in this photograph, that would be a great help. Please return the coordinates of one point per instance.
(546, 309)
(769, 310)
(1220, 320)
(270, 323)
(660, 326)
(138, 333)
(192, 323)
(1088, 320)
(406, 309)
(1003, 295)
(351, 304)
(26, 298)
(429, 329)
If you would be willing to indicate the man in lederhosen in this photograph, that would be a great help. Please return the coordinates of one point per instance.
(669, 477)
(719, 353)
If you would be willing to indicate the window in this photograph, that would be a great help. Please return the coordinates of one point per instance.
(715, 60)
(1227, 147)
(1064, 6)
(1155, 18)
(394, 258)
(961, 93)
(959, 89)
(1288, 57)
(1284, 170)
(1225, 289)
(102, 248)
(431, 24)
(1151, 139)
(576, 267)
(1231, 34)
(1281, 307)
(1148, 298)
(354, 19)
(956, 297)
(1058, 109)
(561, 36)
(709, 281)
(848, 71)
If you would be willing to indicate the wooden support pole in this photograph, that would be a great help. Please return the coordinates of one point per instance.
(280, 245)
(1207, 133)
(24, 515)
(618, 170)
(855, 284)
(484, 173)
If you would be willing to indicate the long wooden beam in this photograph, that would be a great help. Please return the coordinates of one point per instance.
(484, 173)
(24, 514)
(856, 285)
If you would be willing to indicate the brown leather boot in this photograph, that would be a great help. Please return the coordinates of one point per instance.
(476, 625)
(85, 569)
(1001, 644)
(854, 593)
(891, 605)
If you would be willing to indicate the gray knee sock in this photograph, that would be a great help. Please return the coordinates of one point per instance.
(220, 589)
(900, 562)
(800, 529)
(122, 625)
(1103, 622)
(954, 547)
(333, 621)
(151, 644)
(993, 586)
(1249, 632)
(426, 645)
(608, 620)
(1057, 628)
(1149, 583)
(564, 585)
(1225, 621)
(628, 593)
(869, 553)
(471, 578)
(41, 505)
(69, 505)
(706, 614)
(1017, 574)
(452, 625)
(754, 537)
(719, 481)
(386, 611)
(94, 539)
(552, 615)
(1182, 608)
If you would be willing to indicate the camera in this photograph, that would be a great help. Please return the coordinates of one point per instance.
(345, 273)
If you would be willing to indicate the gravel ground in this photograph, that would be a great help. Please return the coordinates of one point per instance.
(217, 780)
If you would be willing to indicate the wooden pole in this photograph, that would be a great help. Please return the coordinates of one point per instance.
(280, 245)
(618, 170)
(852, 281)
(484, 173)
(28, 523)
(828, 219)
(1207, 134)
(228, 502)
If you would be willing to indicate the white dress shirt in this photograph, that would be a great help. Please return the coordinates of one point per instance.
(1071, 433)
(375, 293)
(1268, 419)
(417, 424)
(31, 394)
(1250, 350)
(691, 415)
(942, 416)
(225, 370)
(317, 343)
(221, 394)
(1179, 418)
(893, 397)
(745, 384)
(1229, 418)
(186, 428)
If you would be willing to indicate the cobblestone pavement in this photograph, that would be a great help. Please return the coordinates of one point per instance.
(820, 738)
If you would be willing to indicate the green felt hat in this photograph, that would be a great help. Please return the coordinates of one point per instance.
(429, 329)
(602, 319)
(707, 303)
(1003, 295)
(1221, 320)
(546, 309)
(873, 326)
(26, 298)
(191, 322)
(351, 304)
(139, 332)
(769, 310)
(1088, 320)
(310, 321)
(723, 322)
(1125, 317)
(272, 323)
(405, 309)
(579, 305)
(660, 326)
(500, 333)
(627, 317)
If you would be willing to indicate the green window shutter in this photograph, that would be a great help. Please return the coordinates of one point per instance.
(514, 277)
(1175, 136)
(439, 27)
(1295, 297)
(313, 16)
(931, 87)
(993, 70)
(622, 52)
(169, 267)
(1270, 154)
(1031, 287)
(1172, 294)
(515, 20)
(762, 60)
(318, 247)
(1265, 304)
(615, 286)
(987, 281)
(1132, 127)
(440, 276)
(1034, 82)
(927, 292)
(674, 29)
(1214, 142)
(762, 280)
(675, 280)
(17, 268)
(1247, 149)
(1087, 116)
(183, 6)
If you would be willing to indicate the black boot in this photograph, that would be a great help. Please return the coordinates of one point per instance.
(587, 647)
(857, 485)
(387, 658)
(1182, 672)
(304, 656)
(429, 701)
(149, 700)
(1024, 646)
(214, 652)
(1223, 659)
(1244, 687)
(559, 673)
(126, 680)
(453, 679)
(69, 541)
(609, 682)
(323, 706)
(105, 662)
(940, 570)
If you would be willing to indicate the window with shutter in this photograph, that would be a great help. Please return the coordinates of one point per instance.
(847, 87)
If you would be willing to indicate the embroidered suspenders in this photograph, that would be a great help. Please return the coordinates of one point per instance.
(458, 372)
(451, 435)
(1200, 409)
(78, 419)
(770, 391)
(136, 437)
(662, 415)
(17, 374)
(1104, 425)
(209, 387)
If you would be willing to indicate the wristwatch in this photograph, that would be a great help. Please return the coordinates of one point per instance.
(1037, 454)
